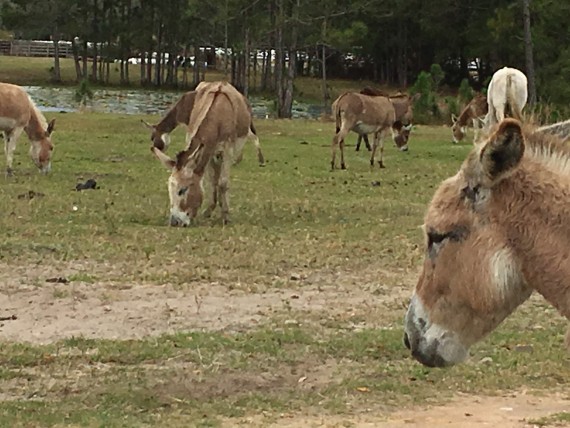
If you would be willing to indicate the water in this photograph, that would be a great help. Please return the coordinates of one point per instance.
(120, 101)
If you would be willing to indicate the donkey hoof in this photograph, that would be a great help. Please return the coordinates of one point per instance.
(207, 213)
(381, 164)
(342, 166)
(9, 172)
(226, 221)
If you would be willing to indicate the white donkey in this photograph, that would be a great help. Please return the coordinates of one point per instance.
(506, 95)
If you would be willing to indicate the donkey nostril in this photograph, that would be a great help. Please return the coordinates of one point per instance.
(407, 341)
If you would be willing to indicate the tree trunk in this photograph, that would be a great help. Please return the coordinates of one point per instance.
(85, 59)
(246, 62)
(75, 49)
(95, 39)
(529, 58)
(94, 63)
(326, 95)
(56, 66)
(287, 103)
(279, 58)
(196, 68)
(143, 68)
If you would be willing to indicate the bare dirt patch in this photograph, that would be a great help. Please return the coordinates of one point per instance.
(464, 411)
(102, 309)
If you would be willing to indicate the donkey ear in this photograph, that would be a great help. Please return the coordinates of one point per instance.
(164, 159)
(504, 150)
(51, 126)
(147, 125)
(453, 118)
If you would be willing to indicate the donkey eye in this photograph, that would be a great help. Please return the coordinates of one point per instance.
(182, 191)
(436, 238)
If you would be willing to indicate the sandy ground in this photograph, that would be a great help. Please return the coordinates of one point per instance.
(46, 312)
(514, 411)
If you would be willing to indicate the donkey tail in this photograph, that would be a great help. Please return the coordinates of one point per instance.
(336, 114)
(511, 102)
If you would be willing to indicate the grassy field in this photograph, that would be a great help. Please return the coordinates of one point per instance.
(349, 237)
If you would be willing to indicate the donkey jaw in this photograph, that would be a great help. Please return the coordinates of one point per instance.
(179, 218)
(431, 344)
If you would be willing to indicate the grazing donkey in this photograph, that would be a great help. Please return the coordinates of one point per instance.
(218, 128)
(495, 232)
(19, 113)
(403, 105)
(473, 112)
(365, 114)
(179, 114)
(506, 96)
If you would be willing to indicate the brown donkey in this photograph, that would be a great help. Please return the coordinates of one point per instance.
(404, 109)
(473, 112)
(365, 114)
(495, 232)
(218, 128)
(179, 114)
(19, 113)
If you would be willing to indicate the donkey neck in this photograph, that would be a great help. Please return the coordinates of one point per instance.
(169, 122)
(533, 208)
(35, 129)
(465, 115)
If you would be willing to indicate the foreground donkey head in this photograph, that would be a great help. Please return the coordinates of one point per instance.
(495, 232)
(184, 185)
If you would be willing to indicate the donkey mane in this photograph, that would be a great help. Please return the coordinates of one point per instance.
(371, 92)
(464, 116)
(548, 149)
(38, 115)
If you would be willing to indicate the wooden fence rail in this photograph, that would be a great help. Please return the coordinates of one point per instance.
(34, 48)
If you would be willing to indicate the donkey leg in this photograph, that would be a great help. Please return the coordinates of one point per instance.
(342, 164)
(223, 185)
(476, 128)
(339, 136)
(374, 147)
(358, 141)
(500, 113)
(365, 137)
(378, 141)
(213, 175)
(260, 157)
(10, 139)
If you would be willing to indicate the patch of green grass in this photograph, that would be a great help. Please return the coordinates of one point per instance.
(204, 376)
(293, 215)
(557, 419)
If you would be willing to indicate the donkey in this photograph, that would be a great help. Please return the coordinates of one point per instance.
(19, 113)
(473, 112)
(403, 105)
(365, 114)
(179, 114)
(506, 96)
(218, 128)
(495, 232)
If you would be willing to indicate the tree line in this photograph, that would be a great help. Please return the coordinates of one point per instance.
(262, 45)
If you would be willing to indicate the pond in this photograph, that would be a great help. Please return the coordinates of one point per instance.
(121, 101)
